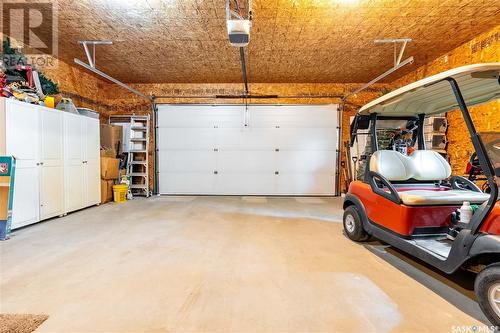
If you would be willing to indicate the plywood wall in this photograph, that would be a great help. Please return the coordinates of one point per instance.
(85, 89)
(483, 48)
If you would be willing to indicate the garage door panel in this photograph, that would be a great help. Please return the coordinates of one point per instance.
(199, 116)
(187, 161)
(247, 139)
(235, 120)
(244, 183)
(307, 139)
(187, 139)
(187, 183)
(246, 161)
(178, 118)
(291, 116)
(207, 150)
(304, 161)
(306, 183)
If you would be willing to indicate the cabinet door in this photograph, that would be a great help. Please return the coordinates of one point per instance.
(26, 206)
(92, 136)
(52, 173)
(22, 142)
(22, 131)
(93, 182)
(92, 161)
(74, 192)
(51, 191)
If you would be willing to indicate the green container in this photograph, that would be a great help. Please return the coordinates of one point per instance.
(7, 173)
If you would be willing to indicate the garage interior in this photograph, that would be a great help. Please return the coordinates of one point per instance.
(200, 185)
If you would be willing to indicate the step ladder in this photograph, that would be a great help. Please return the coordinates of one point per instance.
(138, 159)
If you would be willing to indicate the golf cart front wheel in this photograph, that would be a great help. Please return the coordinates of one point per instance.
(487, 288)
(353, 227)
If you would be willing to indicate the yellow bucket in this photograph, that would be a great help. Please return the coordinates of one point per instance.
(120, 193)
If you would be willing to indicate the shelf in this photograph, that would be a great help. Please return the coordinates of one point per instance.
(139, 144)
(139, 186)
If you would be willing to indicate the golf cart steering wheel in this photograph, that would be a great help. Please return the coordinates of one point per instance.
(474, 160)
(461, 183)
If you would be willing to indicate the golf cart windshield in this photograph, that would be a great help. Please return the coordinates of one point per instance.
(491, 141)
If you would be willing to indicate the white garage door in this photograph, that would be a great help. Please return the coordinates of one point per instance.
(284, 150)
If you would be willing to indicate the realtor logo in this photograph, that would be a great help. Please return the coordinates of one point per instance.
(32, 28)
(4, 168)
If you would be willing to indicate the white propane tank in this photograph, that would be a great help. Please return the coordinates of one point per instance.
(465, 212)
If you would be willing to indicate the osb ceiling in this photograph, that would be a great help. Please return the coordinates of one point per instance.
(291, 40)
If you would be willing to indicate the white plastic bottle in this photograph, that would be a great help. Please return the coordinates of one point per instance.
(465, 212)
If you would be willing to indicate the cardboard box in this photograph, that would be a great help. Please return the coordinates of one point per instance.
(109, 168)
(108, 152)
(106, 190)
(112, 137)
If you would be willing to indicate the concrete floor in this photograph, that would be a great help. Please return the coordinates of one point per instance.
(213, 264)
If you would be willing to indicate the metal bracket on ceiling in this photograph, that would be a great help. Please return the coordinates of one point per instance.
(236, 12)
(91, 56)
(397, 61)
(395, 42)
(92, 62)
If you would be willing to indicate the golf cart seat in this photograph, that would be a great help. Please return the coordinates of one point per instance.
(422, 166)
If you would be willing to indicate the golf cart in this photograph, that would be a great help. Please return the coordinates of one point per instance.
(408, 198)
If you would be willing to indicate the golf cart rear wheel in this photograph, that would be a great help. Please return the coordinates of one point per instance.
(353, 226)
(487, 288)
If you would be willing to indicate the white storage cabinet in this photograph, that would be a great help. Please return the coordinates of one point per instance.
(57, 160)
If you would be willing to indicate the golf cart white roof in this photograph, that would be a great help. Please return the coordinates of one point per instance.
(478, 83)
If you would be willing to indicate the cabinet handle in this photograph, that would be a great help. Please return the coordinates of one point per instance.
(37, 164)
